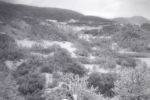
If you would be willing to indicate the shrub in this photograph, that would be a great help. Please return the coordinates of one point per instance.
(3, 67)
(51, 32)
(9, 49)
(31, 86)
(132, 37)
(63, 62)
(40, 49)
(127, 62)
(22, 70)
(9, 89)
(146, 26)
(7, 46)
(104, 83)
(107, 62)
(47, 69)
(73, 85)
(133, 84)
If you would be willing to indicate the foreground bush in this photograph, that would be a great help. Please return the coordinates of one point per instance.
(73, 88)
(9, 49)
(134, 84)
(9, 89)
(127, 62)
(62, 61)
(104, 83)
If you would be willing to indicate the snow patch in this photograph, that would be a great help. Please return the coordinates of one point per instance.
(145, 60)
(72, 21)
(85, 37)
(126, 51)
(65, 45)
(51, 21)
(48, 79)
(91, 57)
(26, 43)
(95, 68)
(42, 55)
(12, 65)
(105, 37)
(46, 44)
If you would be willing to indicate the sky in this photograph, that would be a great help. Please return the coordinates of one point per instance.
(102, 8)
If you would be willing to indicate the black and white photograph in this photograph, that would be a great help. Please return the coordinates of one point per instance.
(74, 49)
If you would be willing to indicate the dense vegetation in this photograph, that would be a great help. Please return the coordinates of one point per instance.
(98, 71)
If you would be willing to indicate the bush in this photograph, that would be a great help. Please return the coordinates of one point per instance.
(132, 37)
(107, 62)
(31, 85)
(22, 70)
(104, 83)
(51, 32)
(83, 53)
(62, 61)
(9, 89)
(127, 62)
(9, 49)
(146, 26)
(47, 69)
(133, 84)
(35, 97)
(111, 29)
(3, 67)
(38, 48)
(73, 85)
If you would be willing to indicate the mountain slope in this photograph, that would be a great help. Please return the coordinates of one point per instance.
(11, 11)
(132, 20)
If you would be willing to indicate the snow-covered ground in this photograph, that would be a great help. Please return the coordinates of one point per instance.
(85, 37)
(80, 28)
(26, 43)
(42, 55)
(51, 21)
(105, 37)
(65, 45)
(91, 57)
(12, 65)
(48, 79)
(46, 44)
(95, 68)
(145, 60)
(126, 51)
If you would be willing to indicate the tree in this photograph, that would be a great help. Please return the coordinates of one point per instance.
(133, 84)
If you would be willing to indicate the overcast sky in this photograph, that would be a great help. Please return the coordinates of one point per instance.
(103, 8)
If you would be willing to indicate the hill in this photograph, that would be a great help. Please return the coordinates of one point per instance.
(8, 10)
(59, 54)
(11, 11)
(133, 20)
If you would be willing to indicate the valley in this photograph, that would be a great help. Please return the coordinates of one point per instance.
(56, 54)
